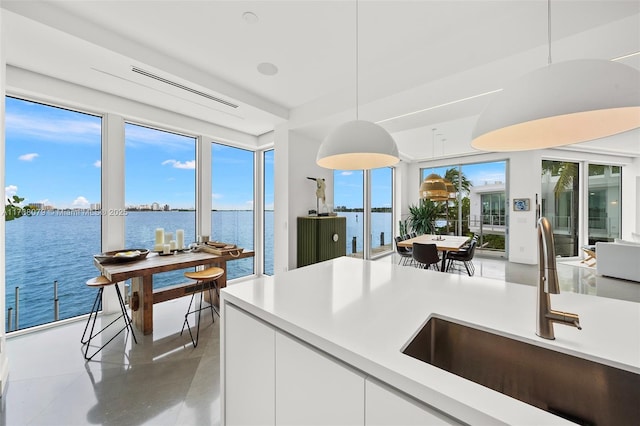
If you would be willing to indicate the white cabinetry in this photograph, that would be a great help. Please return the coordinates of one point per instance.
(272, 378)
(249, 375)
(315, 389)
(387, 406)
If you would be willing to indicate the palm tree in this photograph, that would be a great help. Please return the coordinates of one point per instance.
(567, 173)
(459, 180)
(462, 185)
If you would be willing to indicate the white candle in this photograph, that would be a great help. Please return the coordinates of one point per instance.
(180, 238)
(166, 248)
(172, 245)
(159, 236)
(158, 247)
(168, 236)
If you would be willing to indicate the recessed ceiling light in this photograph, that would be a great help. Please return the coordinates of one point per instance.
(267, 68)
(250, 17)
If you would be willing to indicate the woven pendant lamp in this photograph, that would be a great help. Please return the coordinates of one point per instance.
(433, 188)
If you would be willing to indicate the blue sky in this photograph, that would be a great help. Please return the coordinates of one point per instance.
(479, 174)
(349, 188)
(53, 156)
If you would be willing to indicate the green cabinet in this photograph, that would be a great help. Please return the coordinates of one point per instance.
(321, 238)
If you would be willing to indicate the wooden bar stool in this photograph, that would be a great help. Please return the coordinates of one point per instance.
(100, 283)
(205, 279)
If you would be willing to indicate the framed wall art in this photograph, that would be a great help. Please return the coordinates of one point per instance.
(520, 204)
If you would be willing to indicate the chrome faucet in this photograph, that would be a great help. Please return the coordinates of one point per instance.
(548, 283)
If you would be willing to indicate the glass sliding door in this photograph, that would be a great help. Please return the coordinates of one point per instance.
(604, 206)
(560, 203)
(381, 210)
(348, 199)
(479, 203)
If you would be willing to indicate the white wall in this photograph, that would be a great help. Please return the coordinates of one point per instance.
(295, 160)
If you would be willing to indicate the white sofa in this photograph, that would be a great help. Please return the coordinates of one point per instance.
(619, 260)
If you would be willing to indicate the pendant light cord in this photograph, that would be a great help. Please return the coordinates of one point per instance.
(549, 29)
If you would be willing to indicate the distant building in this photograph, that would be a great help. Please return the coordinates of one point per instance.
(488, 208)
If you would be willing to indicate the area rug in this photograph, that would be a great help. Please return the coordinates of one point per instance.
(579, 264)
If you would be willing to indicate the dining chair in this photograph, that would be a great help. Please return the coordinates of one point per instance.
(100, 283)
(403, 252)
(464, 256)
(426, 255)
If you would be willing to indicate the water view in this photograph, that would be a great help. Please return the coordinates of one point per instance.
(59, 247)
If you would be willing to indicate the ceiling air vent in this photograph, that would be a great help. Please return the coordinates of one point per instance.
(181, 86)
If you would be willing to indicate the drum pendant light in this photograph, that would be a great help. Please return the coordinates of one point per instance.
(433, 187)
(560, 104)
(359, 144)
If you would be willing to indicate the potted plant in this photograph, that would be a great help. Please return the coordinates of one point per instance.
(422, 216)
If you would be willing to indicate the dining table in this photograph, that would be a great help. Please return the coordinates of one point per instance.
(141, 272)
(444, 244)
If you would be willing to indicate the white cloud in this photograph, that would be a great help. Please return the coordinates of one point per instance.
(28, 157)
(191, 164)
(80, 202)
(346, 173)
(10, 191)
(63, 130)
(97, 164)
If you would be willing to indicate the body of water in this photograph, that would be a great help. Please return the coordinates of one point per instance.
(59, 246)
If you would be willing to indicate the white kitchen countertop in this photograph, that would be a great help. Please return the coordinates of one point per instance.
(364, 312)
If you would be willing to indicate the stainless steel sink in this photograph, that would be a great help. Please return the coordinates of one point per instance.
(579, 390)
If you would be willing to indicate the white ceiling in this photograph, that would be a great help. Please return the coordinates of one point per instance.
(412, 56)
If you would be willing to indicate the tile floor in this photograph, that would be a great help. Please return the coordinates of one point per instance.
(163, 380)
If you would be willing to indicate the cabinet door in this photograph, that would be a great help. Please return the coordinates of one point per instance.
(388, 407)
(248, 373)
(314, 389)
(328, 248)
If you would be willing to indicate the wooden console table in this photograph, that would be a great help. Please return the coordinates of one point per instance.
(141, 274)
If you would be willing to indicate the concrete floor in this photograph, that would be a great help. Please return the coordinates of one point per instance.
(163, 380)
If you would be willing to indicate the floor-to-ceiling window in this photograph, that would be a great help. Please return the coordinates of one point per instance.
(605, 210)
(479, 203)
(348, 199)
(160, 191)
(53, 160)
(381, 211)
(232, 214)
(267, 158)
(560, 203)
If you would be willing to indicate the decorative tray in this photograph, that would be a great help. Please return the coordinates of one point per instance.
(216, 247)
(118, 256)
